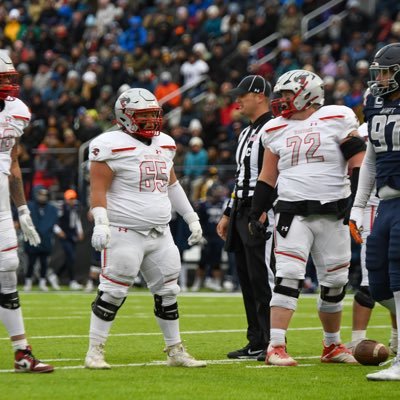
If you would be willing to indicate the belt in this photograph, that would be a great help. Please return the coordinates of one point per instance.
(246, 202)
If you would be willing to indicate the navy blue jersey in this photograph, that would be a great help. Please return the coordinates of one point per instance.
(209, 215)
(383, 117)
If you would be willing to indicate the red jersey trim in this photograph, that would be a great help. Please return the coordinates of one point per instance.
(10, 248)
(168, 147)
(338, 267)
(122, 149)
(114, 281)
(332, 117)
(275, 128)
(21, 117)
(290, 255)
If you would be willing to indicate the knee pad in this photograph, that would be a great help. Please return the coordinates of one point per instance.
(168, 312)
(105, 306)
(286, 293)
(363, 297)
(331, 299)
(10, 301)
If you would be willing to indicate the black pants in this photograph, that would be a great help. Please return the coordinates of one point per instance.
(254, 276)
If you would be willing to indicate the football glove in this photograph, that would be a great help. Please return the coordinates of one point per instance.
(355, 224)
(258, 229)
(192, 219)
(101, 237)
(27, 227)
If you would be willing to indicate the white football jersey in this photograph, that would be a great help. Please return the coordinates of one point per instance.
(138, 196)
(311, 164)
(13, 120)
(373, 199)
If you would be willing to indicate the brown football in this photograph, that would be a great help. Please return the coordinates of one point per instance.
(370, 352)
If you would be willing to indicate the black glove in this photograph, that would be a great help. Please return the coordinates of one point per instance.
(258, 229)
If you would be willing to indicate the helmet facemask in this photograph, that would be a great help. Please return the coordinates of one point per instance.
(141, 123)
(9, 84)
(384, 79)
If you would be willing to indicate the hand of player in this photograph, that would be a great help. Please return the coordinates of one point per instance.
(259, 227)
(355, 224)
(197, 234)
(101, 237)
(28, 229)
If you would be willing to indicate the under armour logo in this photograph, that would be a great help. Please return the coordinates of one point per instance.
(95, 151)
(158, 151)
(284, 228)
(122, 229)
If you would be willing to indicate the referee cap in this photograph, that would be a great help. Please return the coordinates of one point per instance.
(252, 84)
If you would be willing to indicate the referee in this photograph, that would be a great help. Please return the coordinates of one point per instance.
(252, 253)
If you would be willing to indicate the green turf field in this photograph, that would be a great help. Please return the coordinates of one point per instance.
(211, 324)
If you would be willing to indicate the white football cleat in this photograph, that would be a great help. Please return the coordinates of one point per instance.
(178, 357)
(95, 358)
(389, 374)
(28, 285)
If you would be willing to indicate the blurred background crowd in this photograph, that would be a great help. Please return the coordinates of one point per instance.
(76, 56)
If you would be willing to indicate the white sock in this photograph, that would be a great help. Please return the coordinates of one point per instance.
(278, 337)
(394, 335)
(331, 338)
(397, 302)
(356, 336)
(13, 321)
(99, 330)
(19, 344)
(170, 330)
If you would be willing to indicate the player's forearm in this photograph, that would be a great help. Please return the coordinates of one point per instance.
(366, 180)
(16, 186)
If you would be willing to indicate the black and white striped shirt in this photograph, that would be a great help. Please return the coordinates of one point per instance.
(249, 158)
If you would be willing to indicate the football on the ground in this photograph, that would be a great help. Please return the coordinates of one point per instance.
(370, 352)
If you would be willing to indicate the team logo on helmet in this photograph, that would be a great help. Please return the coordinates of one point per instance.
(124, 101)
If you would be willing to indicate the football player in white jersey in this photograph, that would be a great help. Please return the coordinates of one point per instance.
(363, 302)
(133, 185)
(308, 152)
(14, 117)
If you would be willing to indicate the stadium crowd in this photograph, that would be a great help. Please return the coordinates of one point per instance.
(75, 57)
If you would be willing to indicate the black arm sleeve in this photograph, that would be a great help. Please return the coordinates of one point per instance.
(263, 199)
(354, 181)
(352, 147)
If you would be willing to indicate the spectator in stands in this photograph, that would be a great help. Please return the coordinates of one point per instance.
(134, 35)
(164, 88)
(289, 22)
(195, 164)
(45, 168)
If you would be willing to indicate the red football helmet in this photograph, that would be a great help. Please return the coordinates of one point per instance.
(8, 77)
(138, 112)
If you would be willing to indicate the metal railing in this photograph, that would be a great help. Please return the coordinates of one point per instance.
(307, 33)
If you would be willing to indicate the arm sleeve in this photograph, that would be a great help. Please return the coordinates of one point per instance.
(367, 177)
